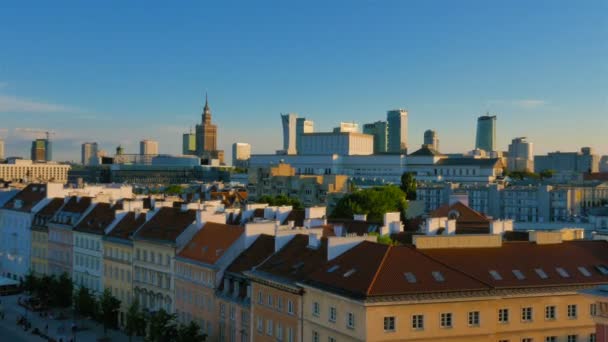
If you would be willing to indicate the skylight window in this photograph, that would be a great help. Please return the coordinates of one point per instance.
(438, 276)
(410, 277)
(495, 275)
(349, 272)
(603, 269)
(519, 275)
(541, 273)
(584, 271)
(562, 272)
(333, 268)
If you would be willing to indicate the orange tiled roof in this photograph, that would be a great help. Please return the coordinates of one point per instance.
(210, 243)
(468, 221)
(97, 220)
(166, 225)
(259, 250)
(125, 228)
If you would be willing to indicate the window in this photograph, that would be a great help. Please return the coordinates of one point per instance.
(550, 312)
(290, 307)
(593, 309)
(279, 331)
(474, 318)
(316, 309)
(260, 298)
(289, 334)
(551, 339)
(572, 311)
(446, 320)
(389, 323)
(269, 327)
(333, 313)
(260, 325)
(280, 303)
(331, 339)
(350, 320)
(526, 339)
(503, 316)
(269, 300)
(526, 314)
(572, 338)
(592, 337)
(315, 336)
(222, 310)
(417, 322)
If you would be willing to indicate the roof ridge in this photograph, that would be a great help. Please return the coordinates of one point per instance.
(453, 268)
(384, 257)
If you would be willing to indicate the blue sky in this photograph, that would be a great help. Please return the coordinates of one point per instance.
(116, 72)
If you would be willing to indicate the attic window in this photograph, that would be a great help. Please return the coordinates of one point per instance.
(541, 273)
(410, 277)
(584, 271)
(349, 272)
(333, 268)
(602, 269)
(218, 251)
(495, 275)
(438, 276)
(519, 275)
(562, 272)
(298, 265)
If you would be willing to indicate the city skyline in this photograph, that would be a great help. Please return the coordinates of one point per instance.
(509, 61)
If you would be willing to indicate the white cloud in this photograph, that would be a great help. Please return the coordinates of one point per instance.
(11, 104)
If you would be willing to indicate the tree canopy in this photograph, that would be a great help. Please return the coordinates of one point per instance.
(281, 200)
(109, 306)
(408, 185)
(374, 202)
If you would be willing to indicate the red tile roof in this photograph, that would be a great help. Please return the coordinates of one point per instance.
(51, 208)
(210, 243)
(166, 225)
(77, 205)
(468, 221)
(27, 198)
(601, 176)
(259, 250)
(97, 220)
(125, 228)
(295, 261)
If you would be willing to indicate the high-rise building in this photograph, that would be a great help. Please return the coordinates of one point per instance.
(379, 130)
(303, 126)
(347, 127)
(189, 144)
(397, 131)
(289, 122)
(241, 153)
(486, 133)
(41, 150)
(431, 140)
(89, 152)
(1, 149)
(206, 133)
(521, 155)
(148, 147)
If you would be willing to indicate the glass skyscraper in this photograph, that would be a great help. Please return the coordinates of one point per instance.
(486, 133)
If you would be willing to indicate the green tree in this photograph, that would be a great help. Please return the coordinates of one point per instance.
(85, 303)
(161, 327)
(281, 200)
(374, 202)
(190, 333)
(61, 291)
(544, 174)
(408, 185)
(109, 306)
(135, 321)
(30, 283)
(174, 190)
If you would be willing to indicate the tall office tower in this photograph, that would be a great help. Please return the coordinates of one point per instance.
(206, 133)
(379, 130)
(347, 127)
(41, 150)
(521, 155)
(603, 164)
(241, 153)
(431, 140)
(303, 126)
(189, 144)
(486, 133)
(397, 131)
(1, 149)
(89, 153)
(289, 133)
(148, 147)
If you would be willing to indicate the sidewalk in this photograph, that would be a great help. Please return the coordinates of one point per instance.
(57, 329)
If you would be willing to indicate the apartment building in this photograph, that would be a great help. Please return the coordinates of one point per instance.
(478, 291)
(19, 170)
(282, 180)
(61, 236)
(88, 246)
(118, 255)
(40, 237)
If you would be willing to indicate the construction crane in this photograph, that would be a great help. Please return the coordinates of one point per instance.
(48, 134)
